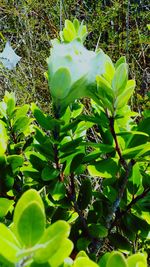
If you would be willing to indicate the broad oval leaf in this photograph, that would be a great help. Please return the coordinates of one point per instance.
(31, 224)
(116, 259)
(106, 168)
(5, 206)
(133, 260)
(120, 79)
(55, 234)
(62, 252)
(61, 83)
(28, 197)
(9, 245)
(83, 261)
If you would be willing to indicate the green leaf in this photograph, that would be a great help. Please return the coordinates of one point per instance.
(103, 260)
(3, 138)
(9, 245)
(133, 260)
(15, 161)
(70, 146)
(21, 124)
(120, 79)
(5, 263)
(123, 98)
(45, 121)
(76, 162)
(31, 224)
(98, 230)
(49, 173)
(135, 179)
(59, 191)
(85, 194)
(69, 32)
(106, 168)
(116, 259)
(61, 83)
(11, 105)
(120, 61)
(104, 88)
(20, 111)
(135, 152)
(82, 243)
(83, 261)
(120, 242)
(144, 126)
(28, 197)
(5, 206)
(55, 234)
(62, 252)
(109, 70)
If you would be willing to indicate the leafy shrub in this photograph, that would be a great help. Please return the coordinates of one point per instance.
(92, 169)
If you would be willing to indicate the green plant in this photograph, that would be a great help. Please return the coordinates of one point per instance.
(27, 242)
(90, 165)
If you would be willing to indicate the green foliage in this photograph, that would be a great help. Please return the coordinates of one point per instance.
(91, 168)
(116, 258)
(27, 241)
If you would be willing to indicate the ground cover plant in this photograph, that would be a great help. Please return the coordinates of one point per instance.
(89, 167)
(120, 26)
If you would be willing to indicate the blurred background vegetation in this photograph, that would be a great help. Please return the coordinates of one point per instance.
(120, 26)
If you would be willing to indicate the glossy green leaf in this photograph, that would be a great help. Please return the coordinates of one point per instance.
(3, 138)
(106, 168)
(104, 88)
(58, 191)
(9, 245)
(109, 71)
(134, 259)
(123, 98)
(49, 173)
(120, 61)
(98, 230)
(82, 243)
(5, 263)
(144, 126)
(61, 83)
(116, 259)
(76, 162)
(28, 197)
(120, 79)
(135, 179)
(21, 124)
(55, 234)
(120, 242)
(83, 261)
(15, 161)
(20, 111)
(62, 252)
(85, 194)
(70, 146)
(45, 121)
(5, 206)
(135, 152)
(11, 105)
(103, 260)
(31, 224)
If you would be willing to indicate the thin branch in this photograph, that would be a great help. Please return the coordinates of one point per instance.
(127, 168)
(129, 206)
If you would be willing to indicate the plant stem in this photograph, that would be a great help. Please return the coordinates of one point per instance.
(127, 168)
(129, 206)
(72, 197)
(56, 110)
